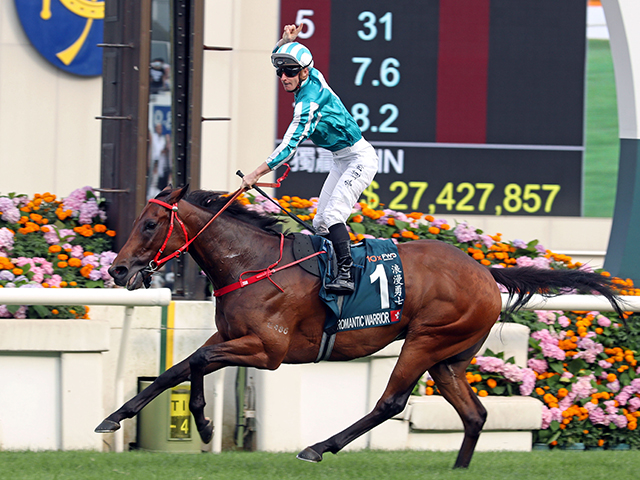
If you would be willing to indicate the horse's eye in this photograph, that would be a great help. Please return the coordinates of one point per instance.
(150, 225)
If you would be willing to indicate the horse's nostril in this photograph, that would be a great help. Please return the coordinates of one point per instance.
(118, 272)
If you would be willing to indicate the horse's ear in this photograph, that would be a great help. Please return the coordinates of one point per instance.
(177, 195)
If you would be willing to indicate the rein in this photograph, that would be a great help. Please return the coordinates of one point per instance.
(157, 261)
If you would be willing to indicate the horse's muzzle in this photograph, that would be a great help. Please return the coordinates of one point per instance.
(119, 274)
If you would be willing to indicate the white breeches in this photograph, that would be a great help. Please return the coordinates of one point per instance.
(352, 171)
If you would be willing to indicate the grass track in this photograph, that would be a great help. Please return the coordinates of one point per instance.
(369, 465)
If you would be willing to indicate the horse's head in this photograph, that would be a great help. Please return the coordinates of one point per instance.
(133, 265)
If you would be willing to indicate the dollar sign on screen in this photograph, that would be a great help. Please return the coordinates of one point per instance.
(372, 198)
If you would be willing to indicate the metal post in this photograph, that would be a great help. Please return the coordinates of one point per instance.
(119, 387)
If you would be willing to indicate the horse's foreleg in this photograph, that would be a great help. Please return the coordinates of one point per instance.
(408, 370)
(449, 376)
(247, 351)
(169, 379)
(172, 377)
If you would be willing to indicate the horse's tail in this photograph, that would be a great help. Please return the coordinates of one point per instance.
(523, 282)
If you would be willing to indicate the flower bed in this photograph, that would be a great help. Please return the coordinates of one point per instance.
(582, 365)
(51, 243)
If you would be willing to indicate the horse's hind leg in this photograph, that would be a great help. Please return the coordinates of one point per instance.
(408, 370)
(449, 376)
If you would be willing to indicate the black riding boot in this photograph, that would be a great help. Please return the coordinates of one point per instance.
(342, 284)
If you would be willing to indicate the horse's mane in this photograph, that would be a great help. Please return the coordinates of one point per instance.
(214, 201)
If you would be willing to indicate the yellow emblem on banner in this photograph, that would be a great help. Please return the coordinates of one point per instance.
(89, 9)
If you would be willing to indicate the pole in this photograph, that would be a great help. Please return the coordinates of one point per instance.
(122, 354)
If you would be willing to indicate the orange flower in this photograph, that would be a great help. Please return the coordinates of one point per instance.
(63, 256)
(111, 233)
(75, 262)
(434, 230)
(62, 264)
(86, 270)
(478, 255)
(491, 383)
(17, 271)
(100, 228)
(357, 219)
(55, 312)
(483, 393)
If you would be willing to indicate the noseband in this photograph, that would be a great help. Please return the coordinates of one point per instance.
(157, 262)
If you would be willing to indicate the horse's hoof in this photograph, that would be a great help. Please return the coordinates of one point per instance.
(107, 426)
(309, 455)
(206, 434)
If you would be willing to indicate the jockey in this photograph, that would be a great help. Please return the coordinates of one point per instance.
(320, 116)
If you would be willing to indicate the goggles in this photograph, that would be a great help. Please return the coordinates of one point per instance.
(289, 71)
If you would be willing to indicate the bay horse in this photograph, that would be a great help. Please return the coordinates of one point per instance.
(451, 303)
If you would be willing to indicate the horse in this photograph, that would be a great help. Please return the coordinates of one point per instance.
(451, 303)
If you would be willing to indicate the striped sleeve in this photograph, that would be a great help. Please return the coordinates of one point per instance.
(305, 118)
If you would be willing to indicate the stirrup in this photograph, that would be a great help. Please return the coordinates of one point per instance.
(342, 285)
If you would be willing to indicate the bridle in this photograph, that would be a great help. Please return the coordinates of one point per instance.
(157, 262)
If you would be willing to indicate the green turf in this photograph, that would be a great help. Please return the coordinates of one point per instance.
(369, 465)
(602, 139)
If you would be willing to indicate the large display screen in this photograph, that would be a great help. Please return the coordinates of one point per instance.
(474, 106)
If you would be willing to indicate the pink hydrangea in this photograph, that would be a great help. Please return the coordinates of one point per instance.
(465, 233)
(88, 211)
(538, 365)
(75, 200)
(486, 240)
(91, 260)
(9, 211)
(55, 236)
(77, 251)
(547, 317)
(603, 321)
(54, 280)
(597, 415)
(549, 415)
(538, 262)
(549, 344)
(619, 421)
(589, 349)
(6, 239)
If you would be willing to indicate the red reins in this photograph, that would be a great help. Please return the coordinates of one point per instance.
(265, 273)
(157, 261)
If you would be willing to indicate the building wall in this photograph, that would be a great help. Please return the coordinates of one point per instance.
(49, 137)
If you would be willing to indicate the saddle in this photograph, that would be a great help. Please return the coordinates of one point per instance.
(379, 280)
(305, 245)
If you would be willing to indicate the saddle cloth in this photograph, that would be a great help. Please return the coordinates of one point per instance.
(378, 277)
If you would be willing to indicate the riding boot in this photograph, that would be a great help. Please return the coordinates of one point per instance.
(342, 284)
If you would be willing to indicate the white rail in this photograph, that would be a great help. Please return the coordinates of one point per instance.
(577, 302)
(95, 296)
(85, 296)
